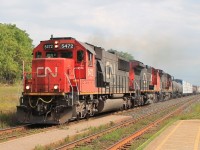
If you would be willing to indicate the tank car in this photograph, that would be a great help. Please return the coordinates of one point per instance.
(177, 89)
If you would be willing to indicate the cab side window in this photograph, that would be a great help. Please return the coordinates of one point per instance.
(51, 55)
(90, 57)
(80, 55)
(38, 55)
(67, 54)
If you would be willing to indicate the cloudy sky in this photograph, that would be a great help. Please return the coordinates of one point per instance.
(164, 34)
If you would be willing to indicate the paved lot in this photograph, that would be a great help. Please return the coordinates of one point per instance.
(182, 135)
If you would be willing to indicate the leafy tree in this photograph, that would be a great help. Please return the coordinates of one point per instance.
(15, 47)
(122, 54)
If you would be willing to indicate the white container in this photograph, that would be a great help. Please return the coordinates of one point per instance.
(187, 87)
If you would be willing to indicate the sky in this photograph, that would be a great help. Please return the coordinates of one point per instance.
(163, 34)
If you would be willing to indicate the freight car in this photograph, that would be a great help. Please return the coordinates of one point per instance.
(177, 89)
(196, 89)
(73, 80)
(187, 88)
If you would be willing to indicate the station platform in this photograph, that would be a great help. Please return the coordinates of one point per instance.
(182, 135)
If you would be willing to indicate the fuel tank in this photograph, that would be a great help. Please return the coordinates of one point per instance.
(110, 105)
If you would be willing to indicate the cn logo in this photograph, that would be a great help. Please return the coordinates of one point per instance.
(45, 71)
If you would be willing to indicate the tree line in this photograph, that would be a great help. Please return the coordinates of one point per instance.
(15, 46)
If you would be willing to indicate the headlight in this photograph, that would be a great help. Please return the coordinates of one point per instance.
(27, 87)
(55, 87)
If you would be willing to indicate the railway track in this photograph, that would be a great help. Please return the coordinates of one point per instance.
(13, 129)
(126, 142)
(90, 138)
(14, 132)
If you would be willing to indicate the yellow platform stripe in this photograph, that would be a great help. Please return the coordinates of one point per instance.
(196, 143)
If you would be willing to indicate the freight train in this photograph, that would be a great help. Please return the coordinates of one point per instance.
(72, 80)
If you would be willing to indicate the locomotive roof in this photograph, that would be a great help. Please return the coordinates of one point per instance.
(61, 38)
(88, 47)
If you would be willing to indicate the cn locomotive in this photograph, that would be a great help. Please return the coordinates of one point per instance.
(72, 80)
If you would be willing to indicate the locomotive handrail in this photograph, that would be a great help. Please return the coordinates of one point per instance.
(75, 79)
(138, 87)
(47, 102)
(71, 87)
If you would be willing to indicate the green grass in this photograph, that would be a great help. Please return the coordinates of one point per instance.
(8, 119)
(9, 96)
(39, 147)
(193, 113)
(9, 99)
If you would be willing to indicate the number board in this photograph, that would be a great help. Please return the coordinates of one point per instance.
(66, 46)
(48, 46)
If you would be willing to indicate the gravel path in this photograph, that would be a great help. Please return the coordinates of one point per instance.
(48, 137)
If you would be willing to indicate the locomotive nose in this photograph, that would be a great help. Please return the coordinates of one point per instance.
(49, 75)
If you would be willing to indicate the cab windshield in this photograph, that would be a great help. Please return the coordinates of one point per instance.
(67, 54)
(51, 54)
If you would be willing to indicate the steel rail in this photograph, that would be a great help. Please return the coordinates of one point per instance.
(14, 129)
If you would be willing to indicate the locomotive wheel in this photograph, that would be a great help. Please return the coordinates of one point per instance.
(78, 117)
(87, 116)
(91, 113)
(161, 97)
(155, 100)
(124, 107)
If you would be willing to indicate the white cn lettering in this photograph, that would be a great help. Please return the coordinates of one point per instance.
(46, 71)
